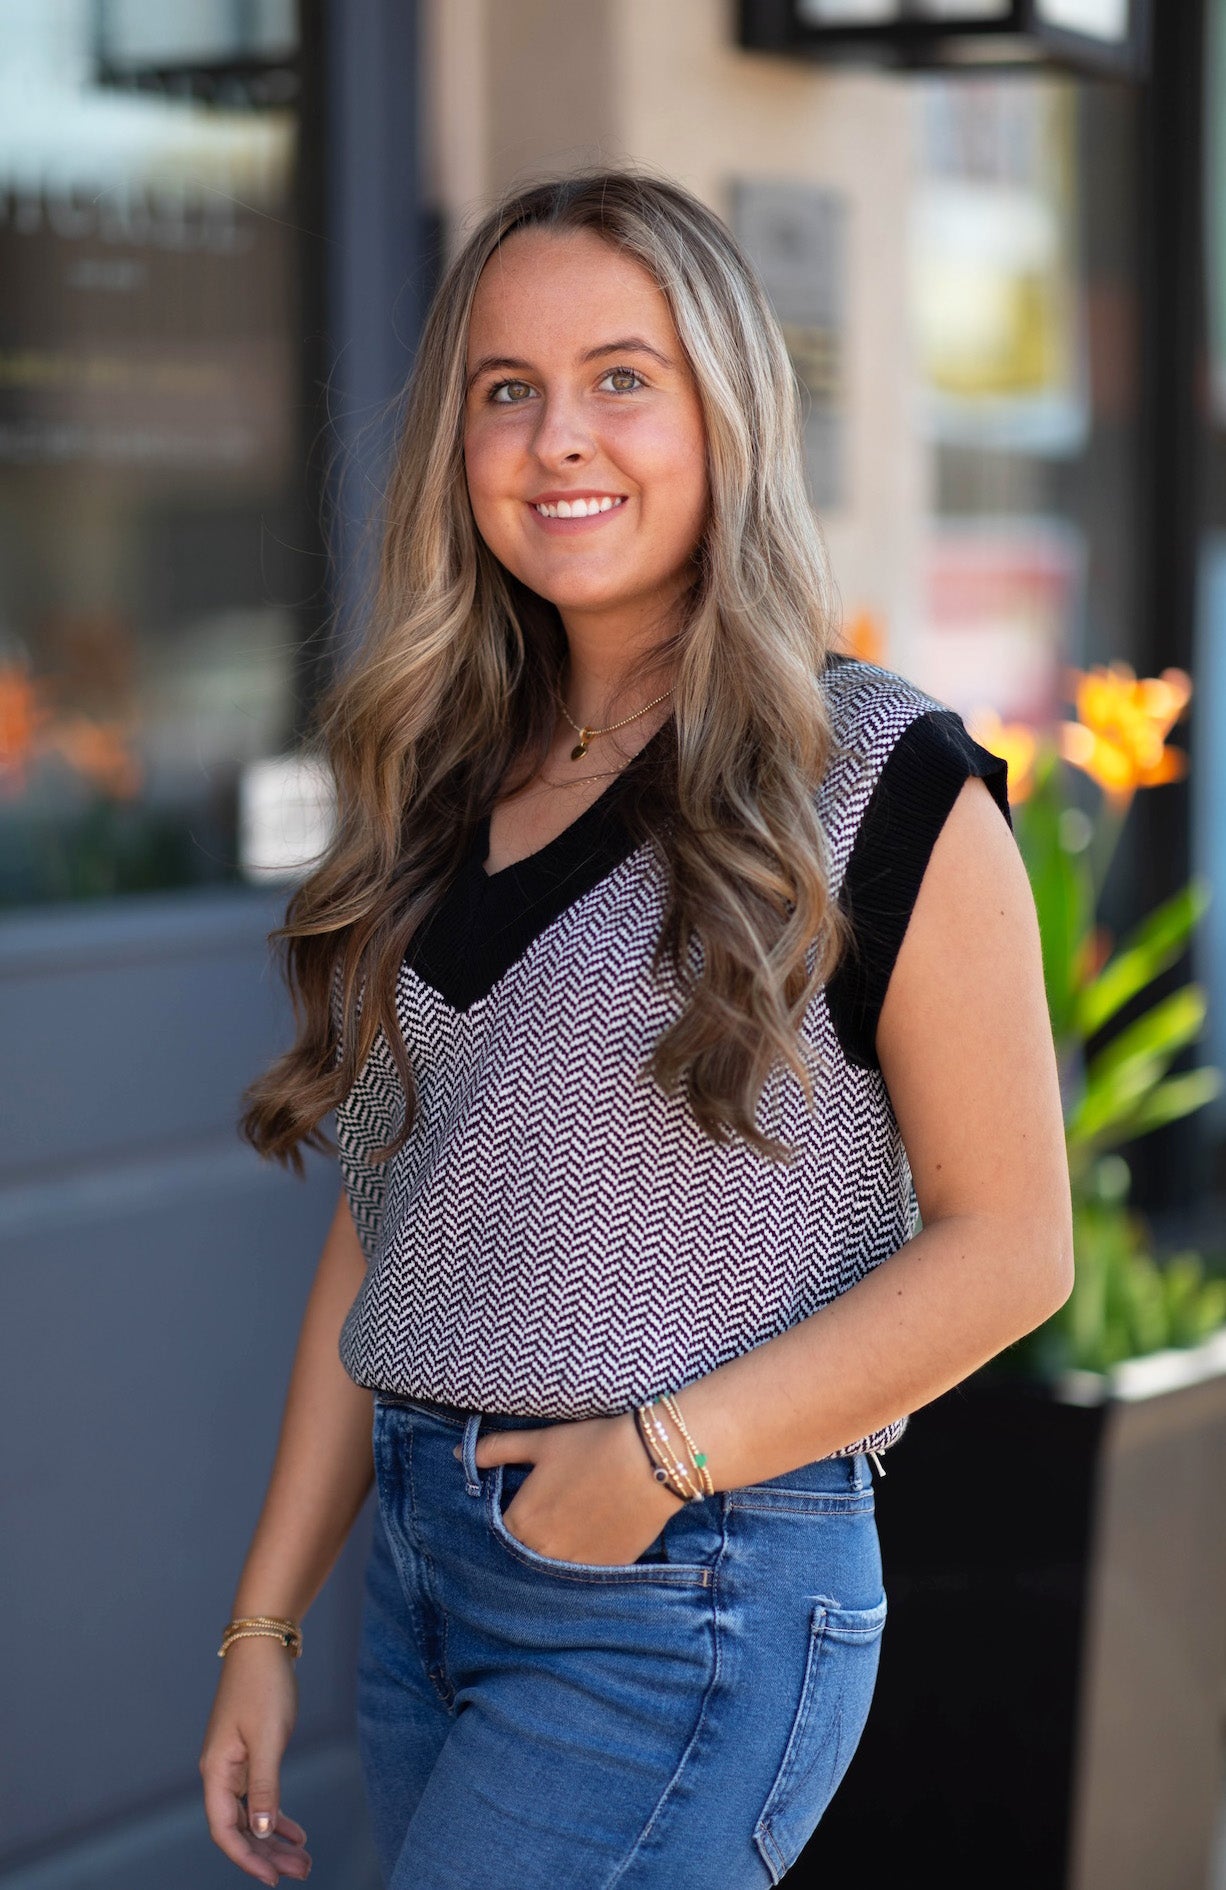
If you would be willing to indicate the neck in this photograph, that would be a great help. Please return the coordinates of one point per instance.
(599, 686)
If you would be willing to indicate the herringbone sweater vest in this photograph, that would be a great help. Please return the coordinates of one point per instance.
(558, 1237)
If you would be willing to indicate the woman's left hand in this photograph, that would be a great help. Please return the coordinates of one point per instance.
(591, 1496)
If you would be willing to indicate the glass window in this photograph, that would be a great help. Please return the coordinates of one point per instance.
(1025, 318)
(154, 549)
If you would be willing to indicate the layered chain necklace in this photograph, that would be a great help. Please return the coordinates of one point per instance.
(587, 735)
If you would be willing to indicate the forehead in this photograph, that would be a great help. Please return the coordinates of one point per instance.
(543, 288)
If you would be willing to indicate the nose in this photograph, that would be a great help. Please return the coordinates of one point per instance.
(562, 438)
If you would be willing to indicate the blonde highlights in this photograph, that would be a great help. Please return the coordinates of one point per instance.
(458, 677)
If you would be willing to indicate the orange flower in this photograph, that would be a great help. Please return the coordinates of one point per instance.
(1119, 738)
(1015, 741)
(22, 716)
(99, 751)
(864, 638)
(30, 727)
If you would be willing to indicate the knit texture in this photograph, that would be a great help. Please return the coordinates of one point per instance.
(558, 1237)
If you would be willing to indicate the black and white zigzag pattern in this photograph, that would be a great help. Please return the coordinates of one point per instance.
(558, 1238)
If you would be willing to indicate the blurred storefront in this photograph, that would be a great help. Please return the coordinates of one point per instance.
(214, 250)
(209, 277)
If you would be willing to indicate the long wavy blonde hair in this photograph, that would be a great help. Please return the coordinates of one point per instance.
(458, 676)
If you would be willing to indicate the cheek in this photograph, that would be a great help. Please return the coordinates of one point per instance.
(671, 463)
(484, 471)
(681, 493)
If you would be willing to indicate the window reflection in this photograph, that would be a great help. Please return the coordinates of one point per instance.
(149, 437)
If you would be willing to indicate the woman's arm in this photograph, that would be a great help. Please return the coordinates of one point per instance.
(323, 1467)
(966, 1050)
(322, 1471)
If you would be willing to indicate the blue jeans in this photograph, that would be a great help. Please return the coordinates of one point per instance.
(676, 1723)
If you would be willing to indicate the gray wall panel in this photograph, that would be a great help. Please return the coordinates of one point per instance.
(134, 1024)
(171, 1848)
(147, 1347)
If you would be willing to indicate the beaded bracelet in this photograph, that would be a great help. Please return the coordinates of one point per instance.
(249, 1626)
(680, 1471)
(665, 1467)
(668, 1468)
(698, 1457)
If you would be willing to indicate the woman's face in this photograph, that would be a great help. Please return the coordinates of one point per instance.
(579, 396)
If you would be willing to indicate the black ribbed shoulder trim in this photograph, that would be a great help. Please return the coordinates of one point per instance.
(916, 789)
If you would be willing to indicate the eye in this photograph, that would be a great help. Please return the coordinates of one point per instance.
(625, 374)
(513, 399)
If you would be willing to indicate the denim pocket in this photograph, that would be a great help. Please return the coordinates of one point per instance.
(835, 1695)
(651, 1566)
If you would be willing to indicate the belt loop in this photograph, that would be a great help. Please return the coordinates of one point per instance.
(472, 1475)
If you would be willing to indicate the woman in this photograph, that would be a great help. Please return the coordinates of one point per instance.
(662, 962)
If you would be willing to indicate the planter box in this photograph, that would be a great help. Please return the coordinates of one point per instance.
(1052, 1688)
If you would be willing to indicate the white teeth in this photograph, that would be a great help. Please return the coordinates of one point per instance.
(579, 508)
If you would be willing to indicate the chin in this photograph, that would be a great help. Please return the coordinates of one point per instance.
(577, 596)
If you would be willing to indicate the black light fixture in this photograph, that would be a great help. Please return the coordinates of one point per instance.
(1104, 37)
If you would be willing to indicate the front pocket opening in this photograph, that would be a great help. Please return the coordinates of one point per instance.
(654, 1552)
(652, 1565)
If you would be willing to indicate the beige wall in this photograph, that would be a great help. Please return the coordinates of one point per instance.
(521, 87)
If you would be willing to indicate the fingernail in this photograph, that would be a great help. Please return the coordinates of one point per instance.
(455, 1451)
(261, 1823)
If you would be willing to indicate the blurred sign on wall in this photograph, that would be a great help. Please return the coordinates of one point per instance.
(287, 807)
(796, 236)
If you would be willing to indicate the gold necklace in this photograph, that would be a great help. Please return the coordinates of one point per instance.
(576, 780)
(587, 735)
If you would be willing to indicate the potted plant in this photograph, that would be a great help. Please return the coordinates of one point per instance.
(1049, 1699)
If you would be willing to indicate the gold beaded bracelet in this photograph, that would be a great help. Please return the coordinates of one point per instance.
(668, 1468)
(698, 1457)
(249, 1626)
(663, 1468)
(693, 1481)
(680, 1470)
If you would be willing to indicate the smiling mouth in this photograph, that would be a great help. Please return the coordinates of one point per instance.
(580, 508)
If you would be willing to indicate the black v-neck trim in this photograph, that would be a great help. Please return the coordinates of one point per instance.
(558, 847)
(485, 922)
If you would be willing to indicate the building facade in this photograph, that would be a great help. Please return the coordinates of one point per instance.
(1005, 295)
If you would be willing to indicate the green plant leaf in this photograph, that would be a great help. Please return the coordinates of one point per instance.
(1124, 1302)
(1060, 884)
(1114, 1099)
(1169, 1025)
(1178, 1096)
(1119, 1078)
(1156, 943)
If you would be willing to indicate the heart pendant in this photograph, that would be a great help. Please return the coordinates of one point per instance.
(577, 753)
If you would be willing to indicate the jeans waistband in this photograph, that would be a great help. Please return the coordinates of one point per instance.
(458, 1415)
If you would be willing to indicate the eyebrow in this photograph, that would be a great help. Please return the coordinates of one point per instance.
(629, 344)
